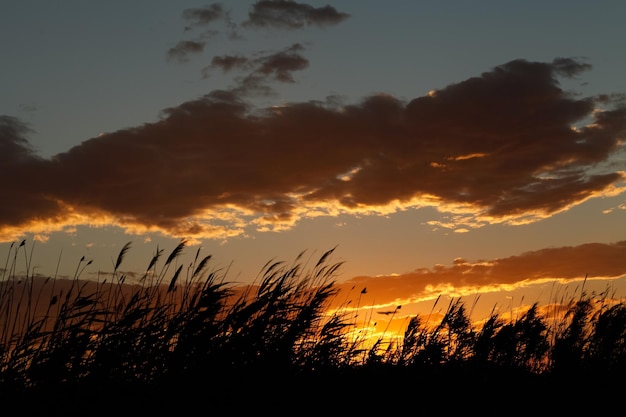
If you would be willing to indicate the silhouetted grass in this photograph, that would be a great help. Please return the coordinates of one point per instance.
(180, 338)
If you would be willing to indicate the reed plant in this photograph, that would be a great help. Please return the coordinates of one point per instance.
(183, 331)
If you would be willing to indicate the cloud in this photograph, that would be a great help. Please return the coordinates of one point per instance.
(506, 146)
(14, 148)
(275, 66)
(24, 187)
(281, 64)
(463, 278)
(183, 49)
(229, 62)
(285, 14)
(263, 14)
(202, 16)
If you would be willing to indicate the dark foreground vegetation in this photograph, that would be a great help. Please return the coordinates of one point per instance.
(182, 340)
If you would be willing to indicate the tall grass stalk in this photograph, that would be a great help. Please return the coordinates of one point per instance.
(186, 322)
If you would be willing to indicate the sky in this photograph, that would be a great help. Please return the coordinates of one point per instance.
(441, 149)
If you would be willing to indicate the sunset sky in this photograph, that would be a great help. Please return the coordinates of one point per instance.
(444, 148)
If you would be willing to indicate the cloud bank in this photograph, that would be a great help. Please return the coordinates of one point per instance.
(506, 146)
(463, 278)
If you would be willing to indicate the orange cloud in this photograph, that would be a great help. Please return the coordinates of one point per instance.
(594, 261)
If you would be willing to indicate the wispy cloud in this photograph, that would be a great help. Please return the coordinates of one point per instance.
(202, 16)
(499, 147)
(184, 49)
(262, 69)
(266, 14)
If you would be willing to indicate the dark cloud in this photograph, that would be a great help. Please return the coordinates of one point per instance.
(14, 147)
(229, 62)
(25, 189)
(500, 147)
(280, 14)
(569, 67)
(279, 64)
(282, 64)
(184, 49)
(204, 15)
(262, 69)
(285, 14)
